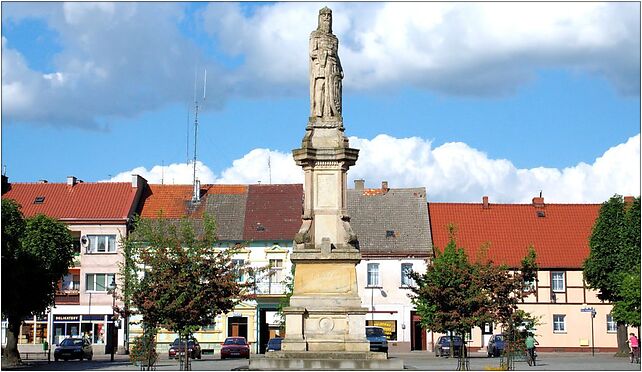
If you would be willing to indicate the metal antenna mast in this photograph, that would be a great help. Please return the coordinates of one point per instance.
(196, 196)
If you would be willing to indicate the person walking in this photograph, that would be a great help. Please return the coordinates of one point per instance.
(634, 345)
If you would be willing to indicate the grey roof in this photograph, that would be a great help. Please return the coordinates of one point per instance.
(229, 211)
(404, 212)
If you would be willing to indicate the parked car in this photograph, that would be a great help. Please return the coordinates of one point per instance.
(274, 344)
(235, 347)
(74, 348)
(495, 345)
(378, 340)
(178, 348)
(442, 346)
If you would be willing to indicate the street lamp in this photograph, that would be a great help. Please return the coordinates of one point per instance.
(112, 289)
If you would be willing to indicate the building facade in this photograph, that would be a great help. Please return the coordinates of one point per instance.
(560, 235)
(393, 229)
(98, 216)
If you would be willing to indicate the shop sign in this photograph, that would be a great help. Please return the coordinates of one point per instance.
(93, 317)
(66, 318)
(389, 326)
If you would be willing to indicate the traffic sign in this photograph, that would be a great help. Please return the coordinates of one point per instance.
(587, 309)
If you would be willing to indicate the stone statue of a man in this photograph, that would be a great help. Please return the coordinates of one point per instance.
(325, 69)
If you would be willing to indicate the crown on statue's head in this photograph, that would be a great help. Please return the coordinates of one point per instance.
(325, 10)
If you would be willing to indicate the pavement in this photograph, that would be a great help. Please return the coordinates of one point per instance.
(416, 360)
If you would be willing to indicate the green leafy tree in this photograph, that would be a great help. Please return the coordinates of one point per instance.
(187, 282)
(36, 253)
(457, 295)
(615, 252)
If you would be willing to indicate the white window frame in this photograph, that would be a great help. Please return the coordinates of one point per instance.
(276, 270)
(95, 241)
(107, 277)
(559, 323)
(238, 263)
(373, 274)
(611, 324)
(556, 281)
(406, 280)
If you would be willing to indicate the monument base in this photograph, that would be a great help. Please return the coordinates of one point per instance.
(306, 360)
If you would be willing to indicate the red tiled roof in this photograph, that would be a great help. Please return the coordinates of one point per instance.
(173, 200)
(560, 237)
(273, 212)
(83, 201)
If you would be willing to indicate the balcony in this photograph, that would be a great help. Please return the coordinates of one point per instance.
(67, 297)
(267, 288)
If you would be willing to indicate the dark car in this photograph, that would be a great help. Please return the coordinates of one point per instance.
(274, 344)
(378, 340)
(178, 348)
(495, 345)
(74, 348)
(442, 346)
(235, 347)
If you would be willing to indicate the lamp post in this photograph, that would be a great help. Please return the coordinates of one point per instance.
(112, 289)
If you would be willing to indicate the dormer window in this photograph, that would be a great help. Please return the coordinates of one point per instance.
(259, 227)
(390, 234)
(39, 200)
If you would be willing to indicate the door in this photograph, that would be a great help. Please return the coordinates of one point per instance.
(418, 333)
(237, 327)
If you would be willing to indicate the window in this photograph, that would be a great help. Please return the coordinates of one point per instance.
(101, 243)
(373, 274)
(238, 266)
(611, 325)
(99, 282)
(529, 286)
(406, 280)
(557, 281)
(559, 324)
(276, 268)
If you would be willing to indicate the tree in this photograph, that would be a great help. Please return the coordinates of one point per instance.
(447, 297)
(36, 253)
(614, 252)
(187, 281)
(457, 295)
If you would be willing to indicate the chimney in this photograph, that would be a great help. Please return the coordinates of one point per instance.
(196, 197)
(538, 202)
(485, 202)
(5, 184)
(384, 186)
(359, 184)
(71, 180)
(138, 181)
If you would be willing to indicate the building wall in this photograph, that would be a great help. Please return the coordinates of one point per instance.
(389, 301)
(257, 255)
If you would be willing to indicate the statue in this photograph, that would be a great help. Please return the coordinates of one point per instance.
(325, 69)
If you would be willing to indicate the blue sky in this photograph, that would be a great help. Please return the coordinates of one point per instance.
(464, 99)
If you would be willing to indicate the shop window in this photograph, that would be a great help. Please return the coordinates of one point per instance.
(389, 327)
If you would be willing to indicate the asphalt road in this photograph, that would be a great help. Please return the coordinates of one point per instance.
(412, 361)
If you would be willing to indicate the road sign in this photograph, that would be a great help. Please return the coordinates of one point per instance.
(587, 309)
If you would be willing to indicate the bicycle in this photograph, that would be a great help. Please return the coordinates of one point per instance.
(531, 356)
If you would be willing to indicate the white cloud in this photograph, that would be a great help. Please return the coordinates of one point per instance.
(452, 172)
(122, 59)
(454, 48)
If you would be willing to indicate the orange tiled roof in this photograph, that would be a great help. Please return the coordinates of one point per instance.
(82, 201)
(173, 200)
(560, 237)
